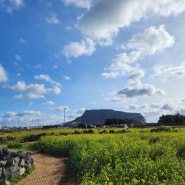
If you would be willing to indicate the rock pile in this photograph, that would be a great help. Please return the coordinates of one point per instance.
(13, 164)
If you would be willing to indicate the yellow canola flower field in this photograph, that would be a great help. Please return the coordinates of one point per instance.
(138, 157)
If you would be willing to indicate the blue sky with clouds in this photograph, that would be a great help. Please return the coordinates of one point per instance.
(126, 55)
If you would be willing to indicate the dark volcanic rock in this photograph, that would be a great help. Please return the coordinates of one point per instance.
(13, 164)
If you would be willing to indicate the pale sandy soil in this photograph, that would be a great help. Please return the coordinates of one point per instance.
(49, 171)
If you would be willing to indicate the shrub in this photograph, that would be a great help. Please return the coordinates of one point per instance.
(162, 129)
(14, 145)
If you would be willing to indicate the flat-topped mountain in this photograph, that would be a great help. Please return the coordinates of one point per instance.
(94, 117)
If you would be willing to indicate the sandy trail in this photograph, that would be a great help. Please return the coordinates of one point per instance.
(49, 171)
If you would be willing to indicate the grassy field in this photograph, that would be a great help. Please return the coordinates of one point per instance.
(136, 157)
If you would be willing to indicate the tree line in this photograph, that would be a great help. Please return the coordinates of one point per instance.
(168, 120)
(119, 122)
(176, 119)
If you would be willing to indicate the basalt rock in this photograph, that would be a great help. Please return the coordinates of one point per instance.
(13, 164)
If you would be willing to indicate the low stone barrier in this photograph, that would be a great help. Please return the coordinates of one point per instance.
(14, 164)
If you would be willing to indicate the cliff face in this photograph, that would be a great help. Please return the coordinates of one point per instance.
(99, 116)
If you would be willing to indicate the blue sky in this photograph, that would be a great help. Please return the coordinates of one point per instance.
(126, 55)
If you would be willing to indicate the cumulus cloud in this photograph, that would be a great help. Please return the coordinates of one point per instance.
(169, 7)
(3, 75)
(11, 5)
(17, 3)
(79, 3)
(134, 90)
(139, 89)
(29, 118)
(47, 78)
(29, 96)
(167, 107)
(76, 49)
(9, 114)
(56, 90)
(48, 103)
(28, 113)
(33, 91)
(152, 40)
(104, 18)
(165, 73)
(53, 19)
(136, 75)
(76, 113)
(34, 88)
(146, 43)
(121, 65)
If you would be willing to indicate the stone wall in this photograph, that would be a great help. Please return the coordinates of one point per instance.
(13, 164)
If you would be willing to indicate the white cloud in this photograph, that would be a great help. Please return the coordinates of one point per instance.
(168, 107)
(76, 49)
(146, 43)
(139, 89)
(152, 40)
(134, 90)
(18, 58)
(3, 75)
(104, 18)
(76, 113)
(17, 3)
(48, 103)
(66, 77)
(79, 3)
(168, 7)
(29, 118)
(62, 108)
(29, 96)
(165, 73)
(56, 90)
(121, 65)
(11, 5)
(153, 111)
(33, 91)
(111, 74)
(136, 75)
(47, 79)
(53, 19)
(9, 114)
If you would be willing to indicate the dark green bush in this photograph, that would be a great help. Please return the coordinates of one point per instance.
(14, 145)
(161, 129)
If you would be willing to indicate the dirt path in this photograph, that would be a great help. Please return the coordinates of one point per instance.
(49, 171)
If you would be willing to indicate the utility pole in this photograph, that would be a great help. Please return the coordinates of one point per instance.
(65, 114)
(18, 120)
